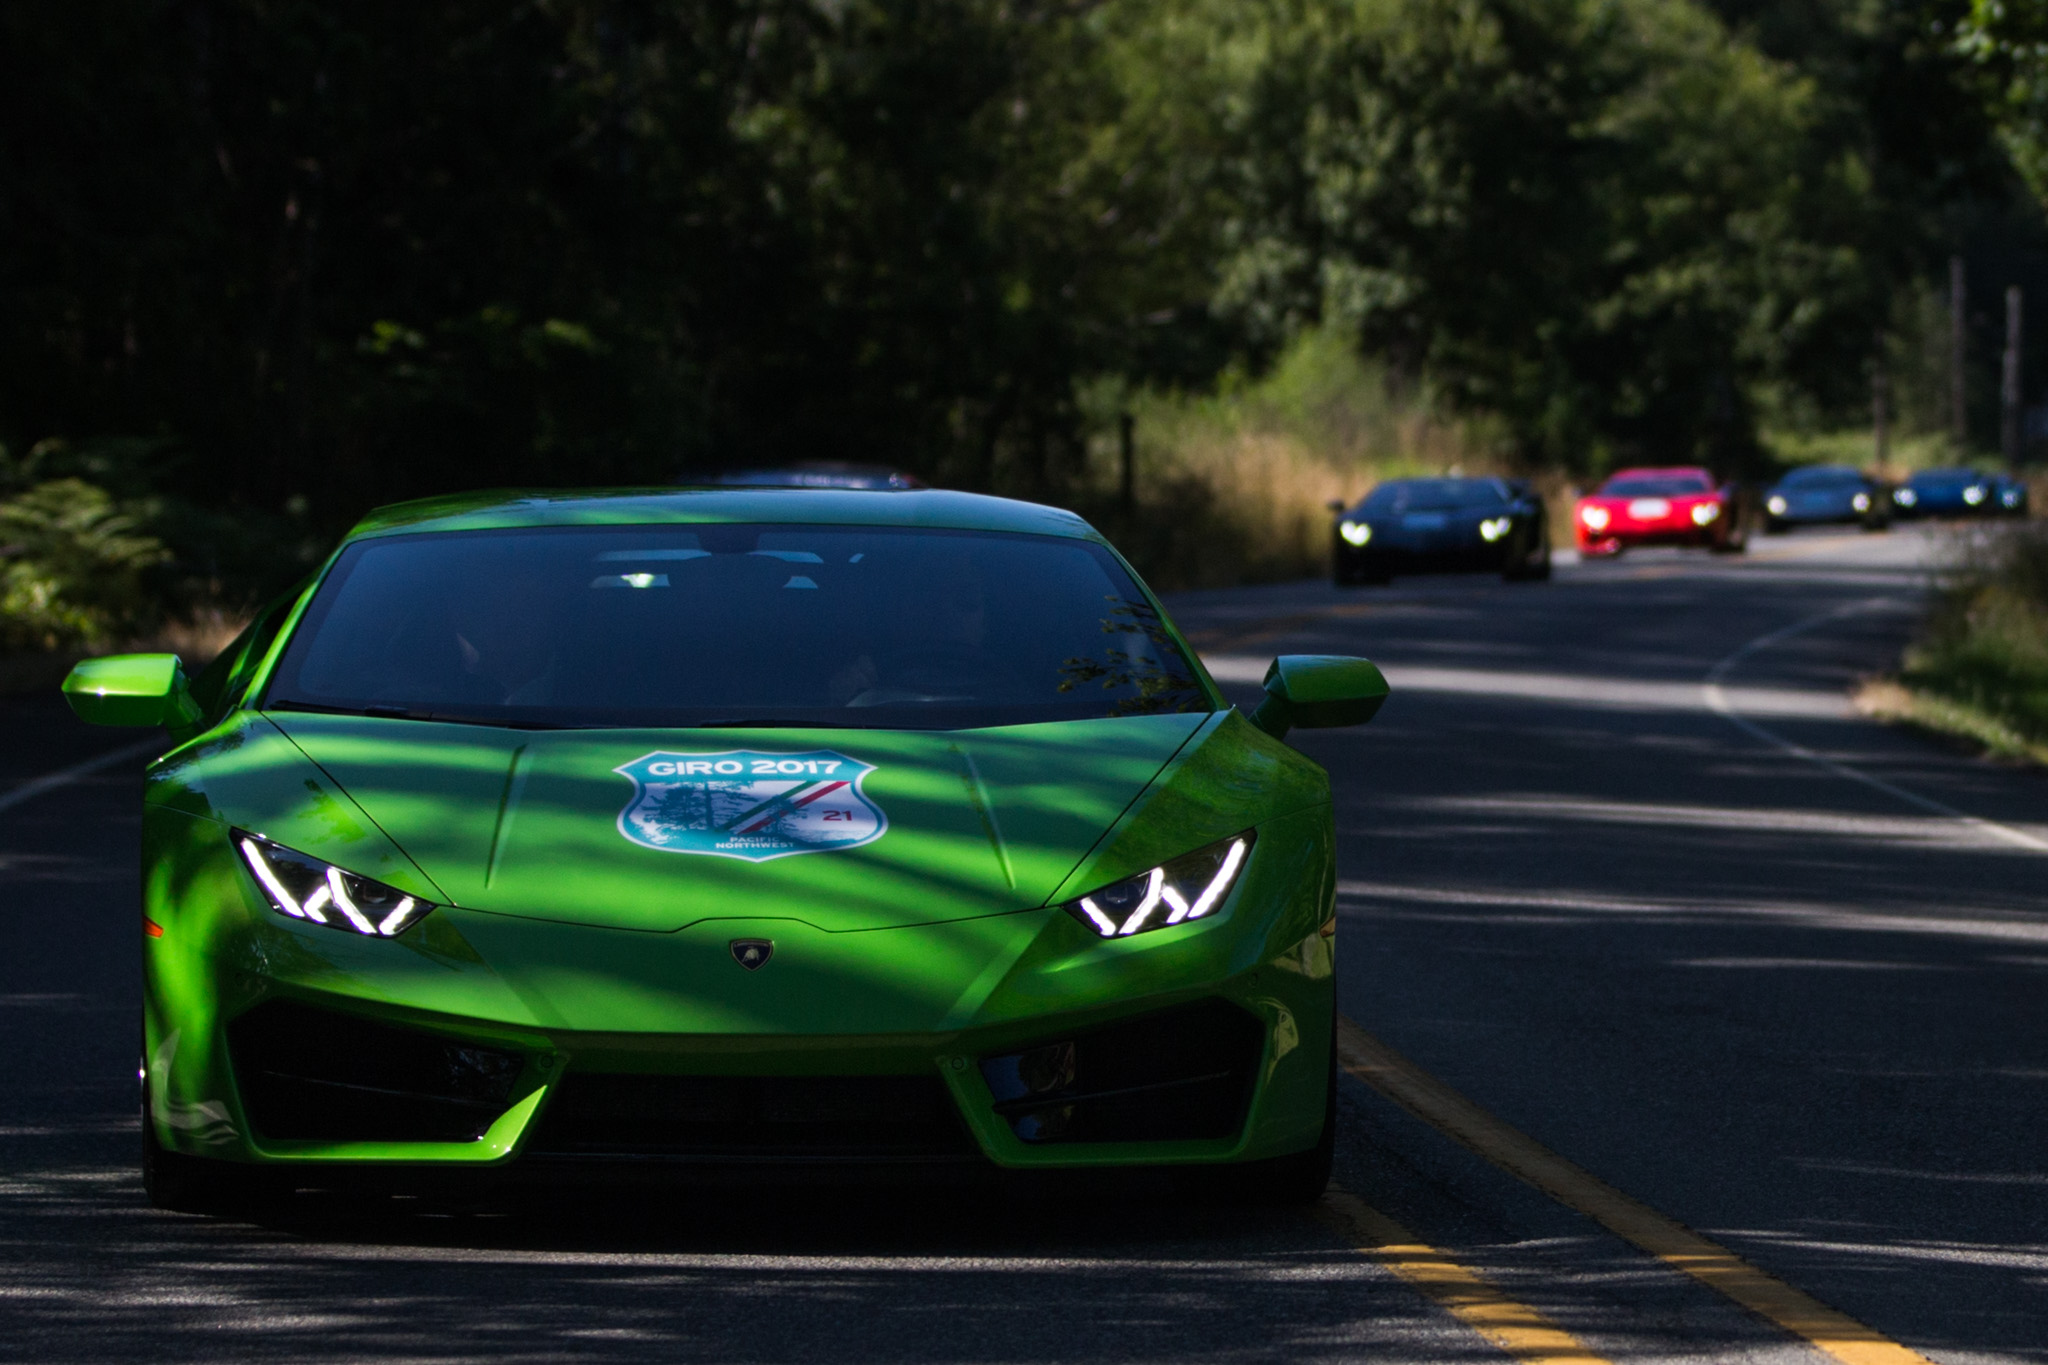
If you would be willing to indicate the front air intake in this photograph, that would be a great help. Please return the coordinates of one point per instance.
(309, 1074)
(597, 1115)
(1183, 1074)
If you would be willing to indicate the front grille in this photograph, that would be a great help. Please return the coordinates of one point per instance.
(318, 1075)
(825, 1118)
(1185, 1073)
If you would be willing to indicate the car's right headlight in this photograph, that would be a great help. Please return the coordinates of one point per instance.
(1777, 506)
(1905, 497)
(1596, 518)
(303, 887)
(1354, 532)
(1189, 887)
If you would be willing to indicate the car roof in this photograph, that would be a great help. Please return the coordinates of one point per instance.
(807, 474)
(1674, 471)
(938, 509)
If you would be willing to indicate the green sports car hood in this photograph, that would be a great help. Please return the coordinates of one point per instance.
(656, 830)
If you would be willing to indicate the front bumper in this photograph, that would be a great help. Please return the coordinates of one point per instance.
(481, 1040)
(1392, 554)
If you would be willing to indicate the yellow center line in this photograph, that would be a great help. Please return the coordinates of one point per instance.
(1514, 1327)
(1520, 1155)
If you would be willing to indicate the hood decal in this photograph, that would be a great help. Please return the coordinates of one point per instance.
(743, 803)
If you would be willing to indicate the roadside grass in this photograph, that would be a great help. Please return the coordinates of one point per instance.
(1905, 451)
(1234, 485)
(1979, 669)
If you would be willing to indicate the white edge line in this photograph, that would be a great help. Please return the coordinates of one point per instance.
(1717, 701)
(64, 777)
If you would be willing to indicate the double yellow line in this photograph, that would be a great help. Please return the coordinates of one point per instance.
(1519, 1330)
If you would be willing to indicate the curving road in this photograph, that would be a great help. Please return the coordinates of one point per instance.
(1620, 871)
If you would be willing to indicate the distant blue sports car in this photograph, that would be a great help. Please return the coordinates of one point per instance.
(1954, 491)
(1827, 493)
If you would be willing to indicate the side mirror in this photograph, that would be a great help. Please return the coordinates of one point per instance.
(1316, 691)
(1335, 506)
(132, 689)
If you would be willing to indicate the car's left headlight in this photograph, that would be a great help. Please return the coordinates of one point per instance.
(1905, 497)
(1493, 528)
(1189, 887)
(1861, 502)
(304, 887)
(1974, 494)
(1354, 532)
(1704, 513)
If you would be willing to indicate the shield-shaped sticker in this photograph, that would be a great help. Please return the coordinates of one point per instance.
(744, 804)
(752, 953)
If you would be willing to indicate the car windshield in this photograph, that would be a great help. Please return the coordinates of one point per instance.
(1825, 476)
(668, 626)
(1433, 495)
(1655, 485)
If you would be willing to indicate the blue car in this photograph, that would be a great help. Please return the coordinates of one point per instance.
(1827, 493)
(1953, 491)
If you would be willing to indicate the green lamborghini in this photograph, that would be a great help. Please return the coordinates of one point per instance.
(689, 829)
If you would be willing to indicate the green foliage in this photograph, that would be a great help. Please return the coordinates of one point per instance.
(72, 567)
(1605, 221)
(2009, 41)
(1986, 646)
(308, 257)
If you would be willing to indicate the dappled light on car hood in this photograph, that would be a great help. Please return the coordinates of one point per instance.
(536, 823)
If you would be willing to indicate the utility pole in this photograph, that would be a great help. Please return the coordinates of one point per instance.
(1127, 451)
(1880, 403)
(1958, 333)
(2009, 389)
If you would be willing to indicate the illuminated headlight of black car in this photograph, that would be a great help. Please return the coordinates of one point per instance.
(304, 887)
(1189, 887)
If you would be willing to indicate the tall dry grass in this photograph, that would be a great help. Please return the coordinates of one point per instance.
(1234, 486)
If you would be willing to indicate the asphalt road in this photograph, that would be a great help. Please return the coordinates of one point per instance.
(1695, 954)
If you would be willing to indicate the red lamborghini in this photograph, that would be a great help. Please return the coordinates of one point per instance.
(1681, 506)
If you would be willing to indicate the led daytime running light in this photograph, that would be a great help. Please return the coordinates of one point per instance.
(1187, 888)
(326, 895)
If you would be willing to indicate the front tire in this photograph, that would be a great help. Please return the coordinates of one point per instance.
(177, 1183)
(1528, 570)
(1299, 1177)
